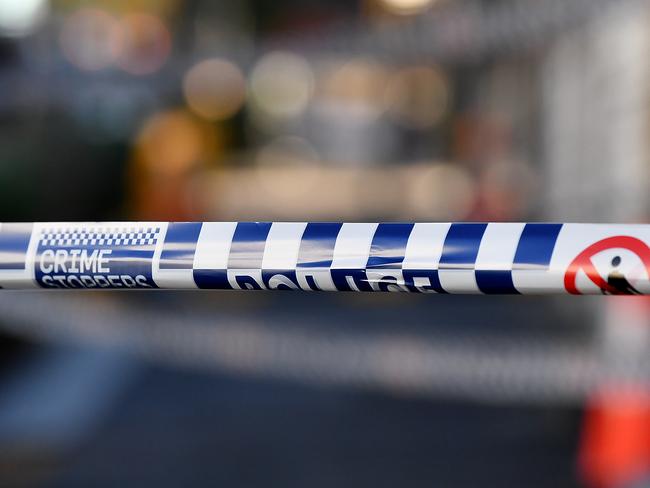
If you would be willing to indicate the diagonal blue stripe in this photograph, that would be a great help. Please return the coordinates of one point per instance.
(317, 245)
(461, 246)
(536, 246)
(180, 245)
(248, 242)
(388, 245)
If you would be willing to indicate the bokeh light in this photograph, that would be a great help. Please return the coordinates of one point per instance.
(21, 17)
(145, 43)
(406, 7)
(90, 39)
(171, 150)
(172, 142)
(281, 85)
(214, 89)
(358, 81)
(418, 97)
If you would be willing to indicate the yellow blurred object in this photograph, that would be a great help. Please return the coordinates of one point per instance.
(173, 142)
(170, 150)
(214, 89)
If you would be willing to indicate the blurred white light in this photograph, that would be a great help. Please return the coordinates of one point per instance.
(282, 85)
(21, 17)
(407, 7)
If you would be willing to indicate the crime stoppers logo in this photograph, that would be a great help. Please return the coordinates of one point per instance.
(614, 265)
(103, 256)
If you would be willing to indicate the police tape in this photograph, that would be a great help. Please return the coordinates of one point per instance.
(489, 258)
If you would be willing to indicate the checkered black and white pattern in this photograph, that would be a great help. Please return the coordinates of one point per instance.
(99, 236)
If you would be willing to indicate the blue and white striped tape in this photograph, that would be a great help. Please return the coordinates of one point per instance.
(489, 258)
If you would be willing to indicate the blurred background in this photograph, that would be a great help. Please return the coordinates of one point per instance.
(358, 110)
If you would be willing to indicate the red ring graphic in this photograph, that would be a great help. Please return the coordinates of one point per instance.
(583, 262)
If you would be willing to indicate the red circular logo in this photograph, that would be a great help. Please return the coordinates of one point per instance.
(615, 283)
